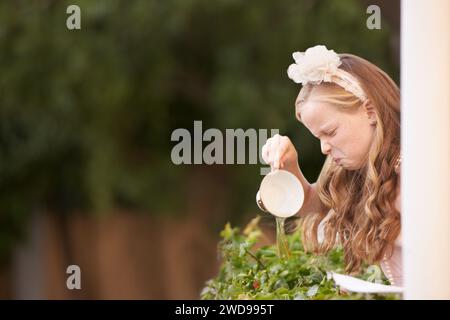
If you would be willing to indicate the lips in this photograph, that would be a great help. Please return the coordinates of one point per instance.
(336, 160)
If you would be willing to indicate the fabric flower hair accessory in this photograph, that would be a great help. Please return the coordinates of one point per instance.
(318, 64)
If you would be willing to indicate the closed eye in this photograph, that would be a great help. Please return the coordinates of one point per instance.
(331, 133)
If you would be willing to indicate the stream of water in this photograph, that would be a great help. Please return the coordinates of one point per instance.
(282, 243)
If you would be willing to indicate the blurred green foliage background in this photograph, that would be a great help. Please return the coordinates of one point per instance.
(86, 115)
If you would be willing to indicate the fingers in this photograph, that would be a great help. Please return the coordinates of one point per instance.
(283, 150)
(276, 160)
(268, 152)
(274, 149)
(276, 153)
(265, 153)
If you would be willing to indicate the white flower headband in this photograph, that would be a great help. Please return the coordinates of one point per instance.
(318, 64)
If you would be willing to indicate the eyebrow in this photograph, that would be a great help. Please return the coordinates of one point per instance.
(322, 129)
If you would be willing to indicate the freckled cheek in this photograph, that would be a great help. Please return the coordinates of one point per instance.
(354, 149)
(342, 142)
(344, 145)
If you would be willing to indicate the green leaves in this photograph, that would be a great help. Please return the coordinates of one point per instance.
(248, 272)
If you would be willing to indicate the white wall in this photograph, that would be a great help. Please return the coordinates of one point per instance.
(425, 83)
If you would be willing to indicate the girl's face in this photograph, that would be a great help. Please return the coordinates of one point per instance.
(345, 135)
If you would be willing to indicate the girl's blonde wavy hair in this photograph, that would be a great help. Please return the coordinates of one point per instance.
(361, 213)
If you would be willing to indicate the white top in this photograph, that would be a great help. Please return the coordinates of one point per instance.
(392, 266)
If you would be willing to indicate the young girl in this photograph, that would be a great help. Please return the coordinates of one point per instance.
(353, 108)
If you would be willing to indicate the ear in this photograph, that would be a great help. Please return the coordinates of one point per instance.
(370, 112)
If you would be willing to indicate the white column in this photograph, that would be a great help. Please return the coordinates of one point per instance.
(425, 82)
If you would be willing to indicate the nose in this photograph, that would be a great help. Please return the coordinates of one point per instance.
(325, 147)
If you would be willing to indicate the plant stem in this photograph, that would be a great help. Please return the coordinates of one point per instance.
(256, 258)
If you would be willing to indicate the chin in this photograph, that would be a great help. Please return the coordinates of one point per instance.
(347, 165)
(352, 166)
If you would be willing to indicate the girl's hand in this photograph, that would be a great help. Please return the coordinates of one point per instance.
(280, 153)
